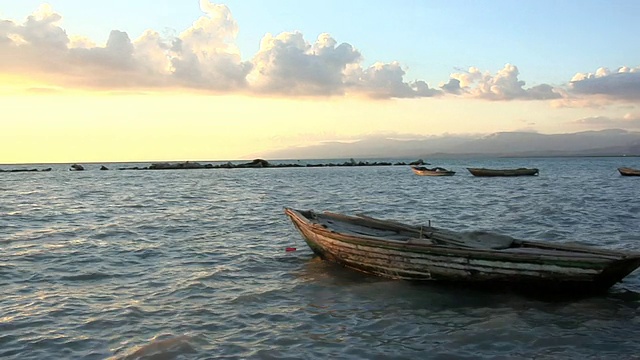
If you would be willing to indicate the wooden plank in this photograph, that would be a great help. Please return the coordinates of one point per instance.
(405, 247)
(509, 266)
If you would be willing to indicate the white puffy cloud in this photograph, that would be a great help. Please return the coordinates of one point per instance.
(504, 85)
(287, 64)
(623, 84)
(41, 29)
(385, 80)
(204, 56)
(38, 45)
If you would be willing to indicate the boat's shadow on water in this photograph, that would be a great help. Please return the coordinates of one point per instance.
(328, 274)
(557, 295)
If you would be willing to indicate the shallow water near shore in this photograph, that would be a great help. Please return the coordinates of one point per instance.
(191, 264)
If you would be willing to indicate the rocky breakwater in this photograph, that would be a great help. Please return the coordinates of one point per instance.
(25, 170)
(257, 163)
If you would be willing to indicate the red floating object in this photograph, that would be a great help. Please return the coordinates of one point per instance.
(289, 249)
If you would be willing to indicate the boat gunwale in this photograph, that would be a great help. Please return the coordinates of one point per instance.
(595, 255)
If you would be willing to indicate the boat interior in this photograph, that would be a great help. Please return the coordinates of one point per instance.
(388, 230)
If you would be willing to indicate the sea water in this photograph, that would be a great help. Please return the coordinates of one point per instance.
(192, 264)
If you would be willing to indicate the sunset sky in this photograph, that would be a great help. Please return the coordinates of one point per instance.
(144, 80)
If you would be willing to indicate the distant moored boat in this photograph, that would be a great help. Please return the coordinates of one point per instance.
(627, 171)
(436, 171)
(503, 172)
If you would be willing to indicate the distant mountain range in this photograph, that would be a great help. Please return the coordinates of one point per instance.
(613, 142)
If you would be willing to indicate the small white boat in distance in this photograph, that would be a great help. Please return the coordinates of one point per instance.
(436, 171)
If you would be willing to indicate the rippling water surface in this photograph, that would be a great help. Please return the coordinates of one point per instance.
(191, 264)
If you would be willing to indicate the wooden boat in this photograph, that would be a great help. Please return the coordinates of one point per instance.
(626, 171)
(400, 251)
(436, 171)
(503, 172)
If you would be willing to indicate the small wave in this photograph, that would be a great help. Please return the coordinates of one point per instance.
(160, 348)
(6, 267)
(113, 230)
(87, 277)
(135, 206)
(146, 253)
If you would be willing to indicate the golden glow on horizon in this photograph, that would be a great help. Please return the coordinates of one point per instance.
(79, 126)
(16, 84)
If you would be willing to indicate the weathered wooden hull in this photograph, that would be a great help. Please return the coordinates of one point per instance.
(625, 171)
(503, 172)
(405, 260)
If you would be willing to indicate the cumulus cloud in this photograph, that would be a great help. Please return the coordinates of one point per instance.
(452, 87)
(38, 44)
(386, 80)
(204, 56)
(622, 84)
(504, 85)
(287, 64)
